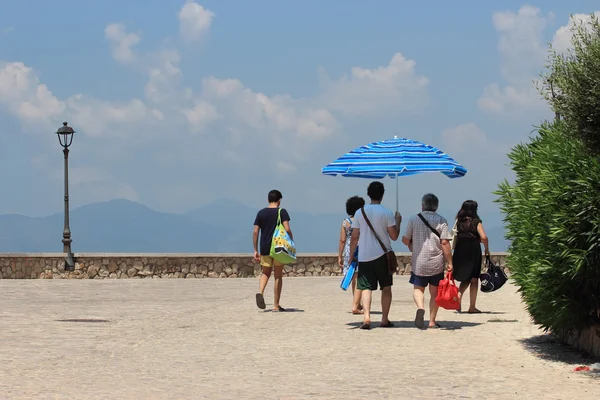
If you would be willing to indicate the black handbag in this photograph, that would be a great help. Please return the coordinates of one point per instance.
(494, 278)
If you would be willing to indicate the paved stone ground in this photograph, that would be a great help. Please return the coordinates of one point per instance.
(205, 339)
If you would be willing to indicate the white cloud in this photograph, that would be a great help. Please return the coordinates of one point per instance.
(200, 115)
(523, 51)
(194, 21)
(282, 131)
(121, 42)
(279, 114)
(164, 74)
(396, 86)
(561, 42)
(464, 138)
(98, 118)
(511, 100)
(521, 42)
(25, 97)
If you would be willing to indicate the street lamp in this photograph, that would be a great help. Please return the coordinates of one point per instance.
(65, 138)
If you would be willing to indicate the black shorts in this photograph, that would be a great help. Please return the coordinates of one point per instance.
(374, 272)
(423, 281)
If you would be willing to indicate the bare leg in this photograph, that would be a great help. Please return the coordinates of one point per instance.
(433, 307)
(278, 285)
(386, 303)
(419, 297)
(473, 295)
(264, 279)
(356, 296)
(366, 300)
(262, 284)
(461, 290)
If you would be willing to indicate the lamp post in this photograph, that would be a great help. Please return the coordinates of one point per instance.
(65, 138)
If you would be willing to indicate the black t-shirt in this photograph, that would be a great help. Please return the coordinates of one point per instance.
(266, 220)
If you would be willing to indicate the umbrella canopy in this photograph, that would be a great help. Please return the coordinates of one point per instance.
(394, 157)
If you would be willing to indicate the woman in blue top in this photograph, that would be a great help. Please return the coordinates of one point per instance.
(353, 204)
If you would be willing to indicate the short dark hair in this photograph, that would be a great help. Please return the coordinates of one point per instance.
(430, 202)
(375, 191)
(274, 196)
(353, 204)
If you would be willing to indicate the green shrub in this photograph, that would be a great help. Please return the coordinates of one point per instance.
(552, 215)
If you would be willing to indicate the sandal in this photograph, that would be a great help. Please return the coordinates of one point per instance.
(280, 309)
(388, 324)
(420, 319)
(260, 301)
(365, 326)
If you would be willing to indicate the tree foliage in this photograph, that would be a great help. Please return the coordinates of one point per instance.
(552, 217)
(571, 83)
(552, 210)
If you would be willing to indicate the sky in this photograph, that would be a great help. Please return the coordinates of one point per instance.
(177, 104)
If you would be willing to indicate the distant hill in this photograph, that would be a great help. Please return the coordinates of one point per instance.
(124, 226)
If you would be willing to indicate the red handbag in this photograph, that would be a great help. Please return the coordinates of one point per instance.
(447, 296)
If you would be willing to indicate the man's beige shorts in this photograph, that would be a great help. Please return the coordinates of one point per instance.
(268, 262)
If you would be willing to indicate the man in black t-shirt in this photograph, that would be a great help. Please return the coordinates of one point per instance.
(265, 223)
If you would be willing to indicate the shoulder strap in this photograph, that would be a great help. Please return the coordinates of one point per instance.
(278, 216)
(429, 226)
(362, 209)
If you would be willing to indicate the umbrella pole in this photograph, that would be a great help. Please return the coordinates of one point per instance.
(397, 192)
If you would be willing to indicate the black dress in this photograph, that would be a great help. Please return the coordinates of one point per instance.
(466, 259)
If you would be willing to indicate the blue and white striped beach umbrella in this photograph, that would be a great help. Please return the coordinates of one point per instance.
(394, 157)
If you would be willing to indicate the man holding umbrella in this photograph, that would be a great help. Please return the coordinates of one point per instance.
(372, 228)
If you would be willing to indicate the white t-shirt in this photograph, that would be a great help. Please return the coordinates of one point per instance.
(381, 218)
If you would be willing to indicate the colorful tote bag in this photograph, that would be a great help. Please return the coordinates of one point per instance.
(283, 248)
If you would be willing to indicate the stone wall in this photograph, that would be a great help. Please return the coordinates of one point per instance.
(123, 266)
(587, 340)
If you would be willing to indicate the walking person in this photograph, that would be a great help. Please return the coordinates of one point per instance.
(373, 227)
(353, 204)
(467, 252)
(428, 238)
(265, 223)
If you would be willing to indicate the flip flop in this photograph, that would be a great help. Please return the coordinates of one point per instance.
(280, 309)
(359, 312)
(420, 319)
(365, 326)
(260, 301)
(388, 324)
(437, 326)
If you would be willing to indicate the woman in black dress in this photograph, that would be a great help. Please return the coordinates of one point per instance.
(466, 259)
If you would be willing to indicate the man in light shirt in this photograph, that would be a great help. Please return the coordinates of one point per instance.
(372, 260)
(428, 238)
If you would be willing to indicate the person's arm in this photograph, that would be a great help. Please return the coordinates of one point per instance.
(407, 237)
(342, 245)
(285, 220)
(447, 250)
(255, 242)
(286, 225)
(354, 242)
(445, 237)
(484, 239)
(394, 230)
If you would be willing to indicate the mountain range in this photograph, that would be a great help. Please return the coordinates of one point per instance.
(123, 226)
